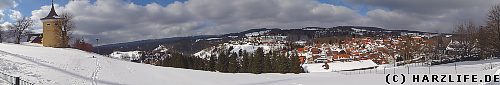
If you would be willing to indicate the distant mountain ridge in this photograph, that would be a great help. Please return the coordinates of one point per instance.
(191, 44)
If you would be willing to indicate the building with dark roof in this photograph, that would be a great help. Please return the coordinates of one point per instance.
(53, 33)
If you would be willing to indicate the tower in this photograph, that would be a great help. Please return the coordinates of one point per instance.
(52, 30)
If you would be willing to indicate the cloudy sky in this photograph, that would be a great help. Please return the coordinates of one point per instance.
(115, 21)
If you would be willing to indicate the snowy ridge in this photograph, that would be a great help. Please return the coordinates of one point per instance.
(257, 33)
(205, 53)
(130, 55)
(236, 48)
(339, 66)
(358, 30)
(161, 48)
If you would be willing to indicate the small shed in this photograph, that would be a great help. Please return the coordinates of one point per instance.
(35, 38)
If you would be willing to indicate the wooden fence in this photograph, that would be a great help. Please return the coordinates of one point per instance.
(14, 80)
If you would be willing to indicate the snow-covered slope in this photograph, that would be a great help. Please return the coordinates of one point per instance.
(236, 48)
(64, 66)
(340, 66)
(130, 55)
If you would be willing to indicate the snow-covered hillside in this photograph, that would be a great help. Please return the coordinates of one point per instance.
(65, 66)
(130, 55)
(236, 48)
(339, 66)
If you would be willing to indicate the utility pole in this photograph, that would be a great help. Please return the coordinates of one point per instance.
(455, 65)
(491, 65)
(456, 68)
(408, 69)
(428, 62)
(97, 44)
(394, 66)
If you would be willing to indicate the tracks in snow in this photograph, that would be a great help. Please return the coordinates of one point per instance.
(96, 72)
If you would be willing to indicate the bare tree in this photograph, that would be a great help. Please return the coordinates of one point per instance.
(460, 34)
(21, 27)
(409, 48)
(493, 24)
(471, 40)
(467, 36)
(485, 42)
(67, 26)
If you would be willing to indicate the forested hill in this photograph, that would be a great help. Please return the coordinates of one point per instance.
(192, 44)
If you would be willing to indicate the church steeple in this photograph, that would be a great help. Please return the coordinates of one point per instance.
(52, 13)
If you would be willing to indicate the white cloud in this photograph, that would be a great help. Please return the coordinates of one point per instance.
(15, 14)
(5, 24)
(1, 15)
(4, 5)
(120, 21)
(425, 15)
(7, 3)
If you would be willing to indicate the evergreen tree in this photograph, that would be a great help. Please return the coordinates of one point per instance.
(222, 62)
(206, 63)
(240, 52)
(256, 66)
(212, 63)
(233, 63)
(230, 49)
(266, 63)
(281, 63)
(197, 63)
(176, 60)
(287, 63)
(295, 64)
(274, 62)
(245, 62)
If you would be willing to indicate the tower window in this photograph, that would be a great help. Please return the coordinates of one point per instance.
(48, 24)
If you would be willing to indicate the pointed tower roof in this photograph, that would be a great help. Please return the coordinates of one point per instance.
(52, 13)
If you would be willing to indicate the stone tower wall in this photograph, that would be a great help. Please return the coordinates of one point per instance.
(52, 34)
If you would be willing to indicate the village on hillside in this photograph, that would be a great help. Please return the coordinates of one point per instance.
(358, 50)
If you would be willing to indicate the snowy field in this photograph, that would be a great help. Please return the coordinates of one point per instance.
(130, 55)
(236, 48)
(339, 66)
(64, 66)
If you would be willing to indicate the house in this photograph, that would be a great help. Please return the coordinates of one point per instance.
(35, 38)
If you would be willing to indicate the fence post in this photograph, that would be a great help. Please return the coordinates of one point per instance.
(384, 70)
(17, 79)
(408, 69)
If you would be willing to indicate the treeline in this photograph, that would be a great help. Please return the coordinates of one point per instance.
(484, 39)
(226, 61)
